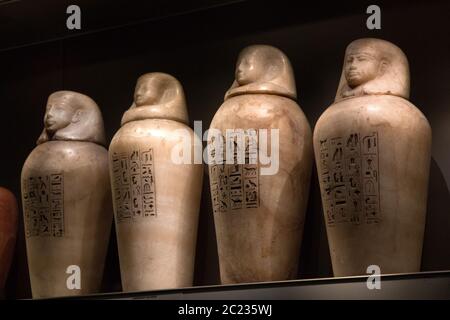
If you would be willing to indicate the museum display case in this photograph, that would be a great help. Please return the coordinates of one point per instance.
(215, 61)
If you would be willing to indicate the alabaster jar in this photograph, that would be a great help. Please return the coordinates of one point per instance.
(156, 195)
(8, 233)
(260, 155)
(372, 149)
(66, 199)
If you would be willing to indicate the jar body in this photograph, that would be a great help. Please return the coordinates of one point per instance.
(156, 204)
(68, 214)
(8, 232)
(373, 158)
(259, 209)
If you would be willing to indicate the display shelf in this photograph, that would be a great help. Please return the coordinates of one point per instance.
(423, 285)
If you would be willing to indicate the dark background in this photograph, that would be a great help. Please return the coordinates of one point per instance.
(198, 42)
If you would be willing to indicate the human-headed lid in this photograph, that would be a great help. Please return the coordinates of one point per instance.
(157, 96)
(373, 67)
(72, 116)
(263, 69)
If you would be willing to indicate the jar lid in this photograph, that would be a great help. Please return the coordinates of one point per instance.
(263, 69)
(373, 67)
(157, 96)
(72, 116)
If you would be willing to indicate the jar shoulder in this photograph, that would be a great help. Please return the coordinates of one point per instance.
(373, 111)
(65, 155)
(259, 110)
(149, 127)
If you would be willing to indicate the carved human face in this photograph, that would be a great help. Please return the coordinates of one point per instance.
(249, 68)
(147, 92)
(59, 114)
(361, 67)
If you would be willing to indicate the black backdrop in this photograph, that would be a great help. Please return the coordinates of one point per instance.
(200, 49)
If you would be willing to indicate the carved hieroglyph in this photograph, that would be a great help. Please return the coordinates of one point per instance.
(258, 206)
(156, 200)
(66, 199)
(373, 151)
(8, 233)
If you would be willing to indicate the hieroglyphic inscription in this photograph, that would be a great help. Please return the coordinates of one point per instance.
(235, 185)
(44, 205)
(371, 178)
(349, 175)
(134, 185)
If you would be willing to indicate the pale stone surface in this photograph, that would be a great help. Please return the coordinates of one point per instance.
(8, 233)
(259, 218)
(373, 150)
(66, 198)
(156, 200)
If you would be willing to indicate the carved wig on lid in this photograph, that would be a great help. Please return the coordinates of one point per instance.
(373, 67)
(157, 96)
(72, 116)
(263, 69)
